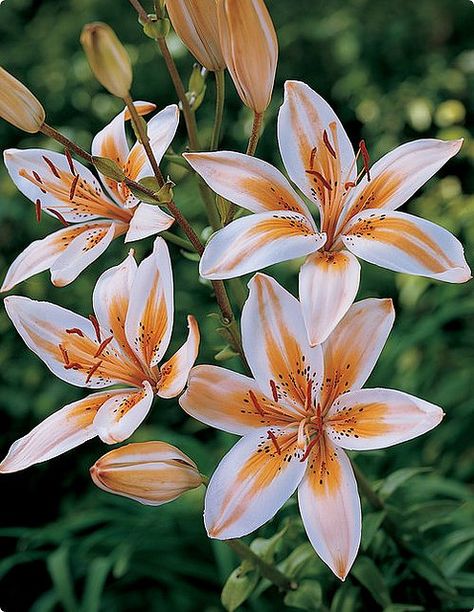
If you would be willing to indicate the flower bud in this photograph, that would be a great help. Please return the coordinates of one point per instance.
(152, 473)
(250, 49)
(107, 58)
(18, 105)
(195, 22)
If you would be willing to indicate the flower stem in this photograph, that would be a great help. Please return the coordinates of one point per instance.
(267, 570)
(255, 133)
(220, 99)
(181, 242)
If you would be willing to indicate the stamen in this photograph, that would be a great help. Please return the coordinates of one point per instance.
(309, 448)
(274, 391)
(72, 191)
(321, 178)
(272, 437)
(92, 370)
(365, 157)
(53, 168)
(314, 150)
(72, 365)
(38, 210)
(96, 325)
(75, 330)
(301, 442)
(102, 345)
(329, 146)
(349, 185)
(255, 403)
(64, 354)
(58, 215)
(309, 400)
(69, 161)
(38, 178)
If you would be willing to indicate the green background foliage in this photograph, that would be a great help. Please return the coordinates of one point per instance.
(394, 71)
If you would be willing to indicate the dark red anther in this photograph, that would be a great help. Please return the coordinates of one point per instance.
(38, 178)
(72, 364)
(349, 185)
(52, 167)
(94, 368)
(102, 345)
(272, 437)
(309, 448)
(96, 325)
(312, 156)
(274, 391)
(319, 176)
(365, 157)
(59, 216)
(75, 330)
(309, 400)
(38, 210)
(329, 146)
(64, 354)
(255, 403)
(72, 191)
(69, 161)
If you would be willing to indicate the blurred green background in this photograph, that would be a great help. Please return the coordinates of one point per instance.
(394, 72)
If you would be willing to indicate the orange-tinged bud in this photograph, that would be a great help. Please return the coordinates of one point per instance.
(195, 22)
(107, 58)
(152, 473)
(250, 49)
(18, 105)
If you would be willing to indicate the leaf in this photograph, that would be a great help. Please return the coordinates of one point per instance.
(427, 569)
(239, 586)
(58, 567)
(95, 582)
(397, 479)
(403, 608)
(298, 560)
(346, 599)
(368, 574)
(370, 525)
(308, 596)
(266, 548)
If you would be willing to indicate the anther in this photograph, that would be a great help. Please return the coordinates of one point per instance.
(59, 216)
(96, 325)
(75, 330)
(309, 400)
(312, 156)
(329, 146)
(255, 403)
(69, 161)
(274, 391)
(52, 167)
(38, 210)
(365, 157)
(64, 354)
(72, 191)
(272, 437)
(92, 370)
(321, 178)
(102, 346)
(349, 185)
(72, 365)
(38, 178)
(309, 448)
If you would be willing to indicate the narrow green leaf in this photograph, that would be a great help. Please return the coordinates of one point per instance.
(95, 581)
(346, 599)
(427, 569)
(368, 574)
(308, 596)
(398, 478)
(58, 567)
(370, 525)
(298, 560)
(239, 586)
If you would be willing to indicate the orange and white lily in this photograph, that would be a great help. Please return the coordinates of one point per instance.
(122, 344)
(303, 407)
(67, 190)
(357, 210)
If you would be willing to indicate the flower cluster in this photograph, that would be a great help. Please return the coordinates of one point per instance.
(304, 404)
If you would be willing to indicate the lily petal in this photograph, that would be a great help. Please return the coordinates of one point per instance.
(399, 174)
(276, 344)
(83, 250)
(376, 418)
(175, 371)
(150, 313)
(314, 144)
(328, 285)
(256, 241)
(147, 220)
(405, 243)
(351, 351)
(120, 416)
(330, 507)
(247, 181)
(60, 432)
(221, 398)
(68, 344)
(251, 483)
(46, 176)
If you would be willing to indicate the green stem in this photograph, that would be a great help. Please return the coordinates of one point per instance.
(220, 99)
(181, 242)
(267, 570)
(255, 133)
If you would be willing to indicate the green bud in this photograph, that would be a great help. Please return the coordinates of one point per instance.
(225, 354)
(156, 28)
(196, 87)
(142, 195)
(109, 168)
(151, 183)
(165, 194)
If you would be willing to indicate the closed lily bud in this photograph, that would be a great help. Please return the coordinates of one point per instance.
(250, 49)
(18, 105)
(152, 473)
(195, 22)
(107, 58)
